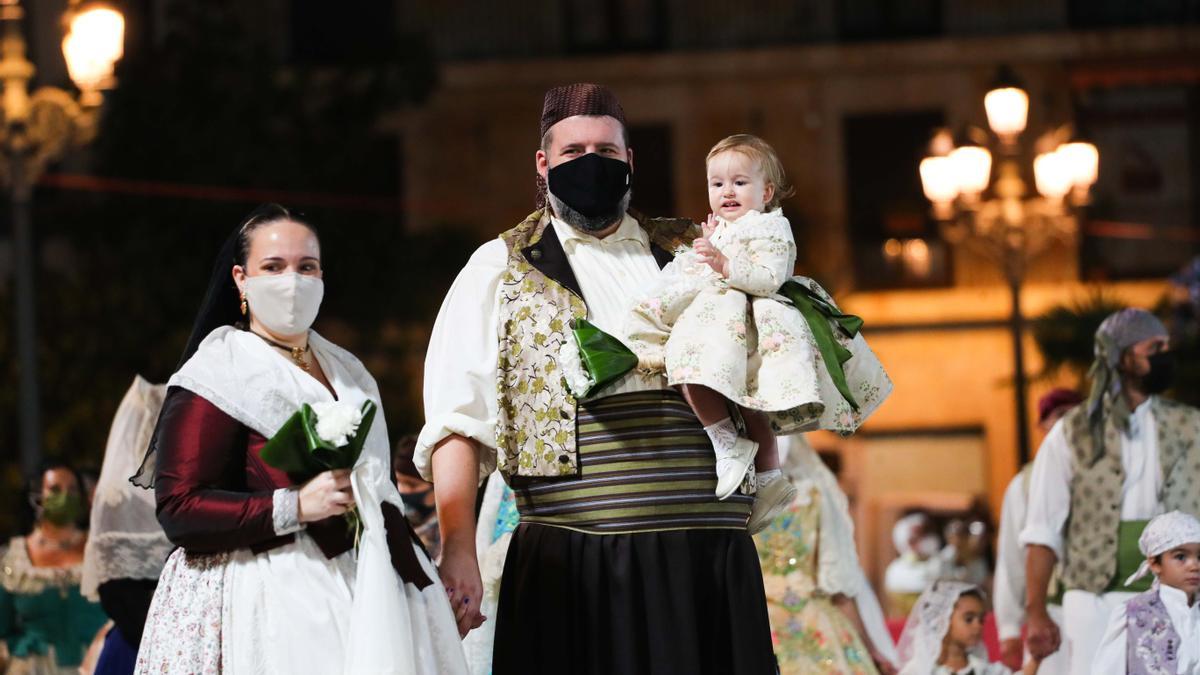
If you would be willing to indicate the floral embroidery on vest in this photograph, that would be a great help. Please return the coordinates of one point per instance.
(535, 424)
(1152, 646)
(1096, 491)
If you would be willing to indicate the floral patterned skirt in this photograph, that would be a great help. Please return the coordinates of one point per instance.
(812, 637)
(183, 627)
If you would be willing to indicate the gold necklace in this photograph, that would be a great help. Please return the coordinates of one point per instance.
(297, 353)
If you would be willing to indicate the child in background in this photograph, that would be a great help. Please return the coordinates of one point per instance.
(1159, 631)
(944, 634)
(718, 327)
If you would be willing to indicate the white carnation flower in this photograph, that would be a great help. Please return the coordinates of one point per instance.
(337, 422)
(579, 381)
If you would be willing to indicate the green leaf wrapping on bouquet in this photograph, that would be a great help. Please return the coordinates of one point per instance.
(605, 357)
(297, 448)
(822, 317)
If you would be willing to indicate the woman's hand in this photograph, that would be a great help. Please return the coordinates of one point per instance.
(326, 495)
(459, 570)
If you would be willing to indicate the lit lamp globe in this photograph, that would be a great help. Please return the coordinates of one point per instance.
(939, 180)
(1053, 175)
(95, 41)
(1007, 106)
(1084, 161)
(973, 167)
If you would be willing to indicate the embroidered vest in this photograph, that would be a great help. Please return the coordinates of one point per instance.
(539, 298)
(1152, 643)
(1091, 542)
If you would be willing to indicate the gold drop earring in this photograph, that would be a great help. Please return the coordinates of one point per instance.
(245, 307)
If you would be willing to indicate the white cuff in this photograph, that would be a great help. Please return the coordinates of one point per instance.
(286, 511)
(1008, 631)
(1042, 536)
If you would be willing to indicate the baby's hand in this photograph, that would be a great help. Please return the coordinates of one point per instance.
(710, 255)
(709, 226)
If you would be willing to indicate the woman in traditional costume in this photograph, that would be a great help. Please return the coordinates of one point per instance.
(126, 546)
(824, 616)
(269, 578)
(45, 623)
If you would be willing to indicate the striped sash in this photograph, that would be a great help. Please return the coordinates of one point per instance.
(645, 463)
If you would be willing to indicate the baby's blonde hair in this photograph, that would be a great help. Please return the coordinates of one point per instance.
(761, 152)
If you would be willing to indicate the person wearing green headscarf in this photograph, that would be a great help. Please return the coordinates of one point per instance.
(45, 623)
(1105, 469)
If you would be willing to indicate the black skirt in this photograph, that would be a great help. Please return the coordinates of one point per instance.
(686, 602)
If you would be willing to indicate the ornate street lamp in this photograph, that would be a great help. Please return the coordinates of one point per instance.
(987, 207)
(37, 128)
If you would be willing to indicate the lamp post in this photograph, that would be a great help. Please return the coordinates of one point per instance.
(37, 128)
(986, 206)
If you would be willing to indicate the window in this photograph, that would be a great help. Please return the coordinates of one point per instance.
(653, 170)
(894, 240)
(889, 19)
(614, 25)
(1105, 13)
(1145, 215)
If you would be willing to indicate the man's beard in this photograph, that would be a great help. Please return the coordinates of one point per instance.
(585, 223)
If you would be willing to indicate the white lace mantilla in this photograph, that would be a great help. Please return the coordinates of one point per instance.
(125, 540)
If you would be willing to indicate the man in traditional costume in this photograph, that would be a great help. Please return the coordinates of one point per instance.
(1009, 585)
(1102, 473)
(624, 560)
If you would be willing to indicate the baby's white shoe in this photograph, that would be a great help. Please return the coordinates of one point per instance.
(733, 464)
(771, 499)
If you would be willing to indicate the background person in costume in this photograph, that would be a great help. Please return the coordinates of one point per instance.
(918, 566)
(1009, 589)
(717, 326)
(824, 616)
(944, 634)
(1159, 630)
(45, 622)
(624, 559)
(1101, 474)
(126, 546)
(268, 577)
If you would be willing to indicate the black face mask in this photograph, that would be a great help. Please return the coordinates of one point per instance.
(1161, 375)
(415, 506)
(592, 185)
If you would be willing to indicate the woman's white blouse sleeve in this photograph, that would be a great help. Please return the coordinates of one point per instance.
(460, 365)
(1110, 657)
(764, 258)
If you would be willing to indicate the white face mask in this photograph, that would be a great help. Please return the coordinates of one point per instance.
(286, 304)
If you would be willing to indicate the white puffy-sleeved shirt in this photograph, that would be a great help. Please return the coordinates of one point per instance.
(461, 362)
(1053, 470)
(1009, 591)
(1111, 657)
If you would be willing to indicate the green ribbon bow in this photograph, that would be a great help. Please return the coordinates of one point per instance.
(297, 448)
(605, 357)
(822, 317)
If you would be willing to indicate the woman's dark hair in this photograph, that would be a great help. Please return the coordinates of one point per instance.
(262, 216)
(33, 486)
